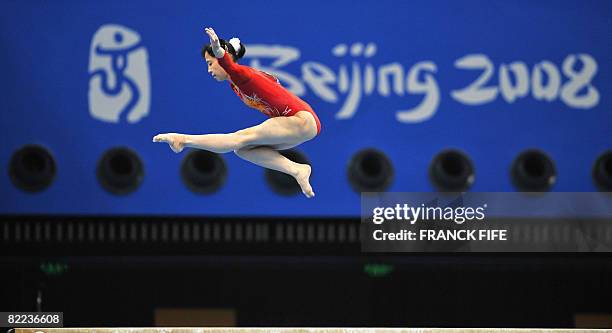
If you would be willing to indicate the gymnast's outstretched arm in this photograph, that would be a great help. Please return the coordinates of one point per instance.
(237, 73)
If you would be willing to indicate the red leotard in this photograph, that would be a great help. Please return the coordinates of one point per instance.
(263, 92)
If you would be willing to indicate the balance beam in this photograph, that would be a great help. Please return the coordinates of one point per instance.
(303, 330)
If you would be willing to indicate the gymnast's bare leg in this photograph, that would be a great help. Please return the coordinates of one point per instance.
(258, 144)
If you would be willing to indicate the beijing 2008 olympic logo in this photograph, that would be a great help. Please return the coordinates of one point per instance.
(119, 79)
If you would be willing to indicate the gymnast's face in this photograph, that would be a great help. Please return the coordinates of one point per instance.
(214, 68)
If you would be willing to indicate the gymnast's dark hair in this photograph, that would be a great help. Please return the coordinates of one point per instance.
(228, 47)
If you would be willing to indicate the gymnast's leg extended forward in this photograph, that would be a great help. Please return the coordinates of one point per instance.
(258, 144)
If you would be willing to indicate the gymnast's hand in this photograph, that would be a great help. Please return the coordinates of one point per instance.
(174, 140)
(215, 43)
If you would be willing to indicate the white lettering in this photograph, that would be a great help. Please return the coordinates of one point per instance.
(356, 79)
(318, 76)
(509, 91)
(397, 71)
(475, 93)
(551, 90)
(579, 81)
(430, 103)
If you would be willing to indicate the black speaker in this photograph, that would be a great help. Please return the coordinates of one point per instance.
(452, 171)
(32, 168)
(533, 171)
(203, 172)
(120, 171)
(370, 170)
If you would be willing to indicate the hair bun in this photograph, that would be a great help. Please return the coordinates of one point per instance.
(235, 42)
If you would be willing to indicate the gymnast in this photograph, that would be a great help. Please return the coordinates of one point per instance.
(292, 121)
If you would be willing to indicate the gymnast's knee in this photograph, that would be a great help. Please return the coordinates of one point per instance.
(242, 151)
(244, 138)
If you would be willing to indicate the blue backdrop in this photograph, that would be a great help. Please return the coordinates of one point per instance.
(411, 78)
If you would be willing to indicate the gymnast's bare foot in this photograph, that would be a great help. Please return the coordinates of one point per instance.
(176, 141)
(302, 177)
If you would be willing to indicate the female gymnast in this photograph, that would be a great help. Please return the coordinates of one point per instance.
(292, 121)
